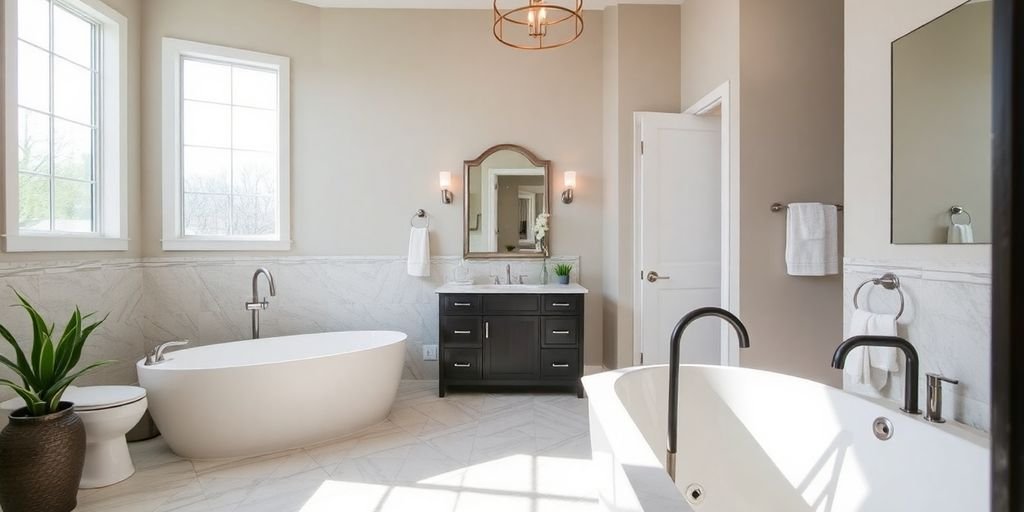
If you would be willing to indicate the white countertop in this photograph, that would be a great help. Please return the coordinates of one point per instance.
(543, 289)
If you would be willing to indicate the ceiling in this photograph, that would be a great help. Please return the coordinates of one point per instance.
(460, 4)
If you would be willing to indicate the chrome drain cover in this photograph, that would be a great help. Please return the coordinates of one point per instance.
(695, 494)
(883, 428)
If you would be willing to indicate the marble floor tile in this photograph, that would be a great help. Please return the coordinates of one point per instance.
(467, 452)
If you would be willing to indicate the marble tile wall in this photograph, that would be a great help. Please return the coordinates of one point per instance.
(111, 287)
(948, 318)
(159, 299)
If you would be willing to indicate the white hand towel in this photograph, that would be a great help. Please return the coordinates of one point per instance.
(871, 366)
(419, 252)
(960, 234)
(812, 239)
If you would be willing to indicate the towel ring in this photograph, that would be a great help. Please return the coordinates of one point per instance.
(420, 214)
(959, 210)
(889, 281)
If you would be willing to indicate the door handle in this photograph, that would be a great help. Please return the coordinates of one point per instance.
(462, 304)
(559, 365)
(487, 330)
(462, 365)
(653, 277)
(463, 332)
(559, 332)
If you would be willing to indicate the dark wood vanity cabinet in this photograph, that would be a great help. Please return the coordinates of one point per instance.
(505, 341)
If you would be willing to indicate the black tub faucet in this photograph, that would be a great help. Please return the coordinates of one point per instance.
(913, 363)
(673, 376)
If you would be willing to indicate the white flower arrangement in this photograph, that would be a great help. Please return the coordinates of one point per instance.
(540, 226)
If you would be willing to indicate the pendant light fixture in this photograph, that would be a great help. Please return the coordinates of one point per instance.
(538, 25)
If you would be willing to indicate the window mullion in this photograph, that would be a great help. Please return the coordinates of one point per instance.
(231, 151)
(53, 146)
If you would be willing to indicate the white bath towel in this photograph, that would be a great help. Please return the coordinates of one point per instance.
(960, 234)
(419, 252)
(868, 368)
(812, 239)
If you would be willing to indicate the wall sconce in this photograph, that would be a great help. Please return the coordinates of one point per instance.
(570, 186)
(445, 178)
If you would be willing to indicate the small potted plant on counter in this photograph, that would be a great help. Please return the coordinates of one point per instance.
(42, 449)
(563, 270)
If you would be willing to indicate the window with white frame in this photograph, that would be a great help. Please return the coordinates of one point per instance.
(226, 158)
(66, 123)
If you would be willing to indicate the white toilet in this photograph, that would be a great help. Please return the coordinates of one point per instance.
(108, 413)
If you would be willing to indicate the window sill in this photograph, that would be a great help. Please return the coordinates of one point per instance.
(188, 244)
(58, 243)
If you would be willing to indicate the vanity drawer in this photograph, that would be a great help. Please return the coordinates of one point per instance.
(561, 331)
(461, 364)
(461, 331)
(511, 304)
(560, 363)
(561, 304)
(461, 304)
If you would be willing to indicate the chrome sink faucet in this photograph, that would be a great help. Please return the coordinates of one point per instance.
(508, 273)
(256, 305)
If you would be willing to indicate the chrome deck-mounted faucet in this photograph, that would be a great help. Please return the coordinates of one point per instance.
(673, 367)
(913, 363)
(933, 404)
(257, 305)
(156, 356)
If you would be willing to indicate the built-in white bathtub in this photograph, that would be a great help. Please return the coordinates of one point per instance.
(758, 441)
(261, 396)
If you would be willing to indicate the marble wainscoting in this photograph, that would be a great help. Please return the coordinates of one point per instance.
(202, 299)
(112, 287)
(948, 318)
(153, 300)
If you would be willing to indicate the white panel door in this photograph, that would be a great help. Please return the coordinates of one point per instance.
(679, 220)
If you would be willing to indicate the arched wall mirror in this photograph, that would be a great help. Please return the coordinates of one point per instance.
(506, 191)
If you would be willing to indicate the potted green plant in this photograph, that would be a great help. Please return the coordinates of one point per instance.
(42, 449)
(563, 270)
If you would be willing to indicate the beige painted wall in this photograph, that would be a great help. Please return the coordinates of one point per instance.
(871, 26)
(132, 10)
(942, 119)
(791, 68)
(641, 75)
(384, 99)
(783, 60)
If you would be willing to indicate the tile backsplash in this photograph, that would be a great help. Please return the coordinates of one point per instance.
(154, 300)
(948, 319)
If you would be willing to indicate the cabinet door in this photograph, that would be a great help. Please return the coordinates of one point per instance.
(511, 347)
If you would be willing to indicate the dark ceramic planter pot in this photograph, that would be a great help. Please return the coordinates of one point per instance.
(563, 279)
(41, 460)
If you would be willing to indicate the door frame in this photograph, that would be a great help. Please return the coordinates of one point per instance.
(730, 254)
(1007, 248)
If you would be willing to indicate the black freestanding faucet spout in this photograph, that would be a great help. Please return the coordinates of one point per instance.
(913, 363)
(673, 376)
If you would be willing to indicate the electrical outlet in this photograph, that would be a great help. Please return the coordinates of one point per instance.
(430, 352)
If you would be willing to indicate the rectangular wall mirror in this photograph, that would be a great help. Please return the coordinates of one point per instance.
(506, 191)
(941, 121)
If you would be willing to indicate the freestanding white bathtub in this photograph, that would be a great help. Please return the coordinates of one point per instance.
(261, 396)
(755, 441)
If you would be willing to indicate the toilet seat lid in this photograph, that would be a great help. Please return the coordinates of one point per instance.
(92, 398)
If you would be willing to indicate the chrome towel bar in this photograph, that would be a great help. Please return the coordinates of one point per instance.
(778, 207)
